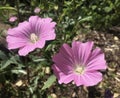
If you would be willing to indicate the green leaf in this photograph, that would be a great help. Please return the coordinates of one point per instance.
(6, 64)
(2, 55)
(19, 71)
(94, 7)
(48, 47)
(12, 60)
(88, 18)
(49, 82)
(107, 9)
(7, 8)
(49, 96)
(38, 59)
(30, 89)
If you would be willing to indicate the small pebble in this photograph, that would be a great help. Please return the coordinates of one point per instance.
(116, 38)
(53, 95)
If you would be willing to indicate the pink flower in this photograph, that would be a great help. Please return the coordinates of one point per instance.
(80, 64)
(37, 10)
(31, 34)
(12, 19)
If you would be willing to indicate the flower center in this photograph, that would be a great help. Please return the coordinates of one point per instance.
(33, 38)
(79, 70)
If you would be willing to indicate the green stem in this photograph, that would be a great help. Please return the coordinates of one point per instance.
(18, 12)
(28, 75)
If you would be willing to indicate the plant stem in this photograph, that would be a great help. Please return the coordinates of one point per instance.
(18, 12)
(28, 75)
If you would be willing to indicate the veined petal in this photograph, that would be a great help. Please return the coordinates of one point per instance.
(75, 49)
(33, 20)
(49, 26)
(65, 55)
(48, 33)
(16, 33)
(93, 77)
(23, 30)
(62, 63)
(96, 52)
(26, 49)
(96, 61)
(15, 45)
(47, 20)
(62, 78)
(40, 43)
(65, 78)
(49, 36)
(12, 39)
(82, 51)
(78, 80)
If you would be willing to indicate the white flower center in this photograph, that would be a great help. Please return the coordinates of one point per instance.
(33, 38)
(79, 70)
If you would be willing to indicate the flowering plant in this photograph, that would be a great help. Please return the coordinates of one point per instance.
(31, 34)
(79, 64)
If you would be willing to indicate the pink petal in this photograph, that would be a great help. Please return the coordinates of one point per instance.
(25, 50)
(40, 43)
(96, 61)
(75, 49)
(23, 30)
(14, 32)
(15, 45)
(46, 20)
(33, 21)
(96, 52)
(52, 24)
(63, 59)
(56, 71)
(38, 27)
(46, 30)
(48, 36)
(15, 42)
(65, 78)
(82, 51)
(78, 80)
(12, 39)
(64, 65)
(64, 56)
(91, 78)
(30, 47)
(46, 27)
(62, 78)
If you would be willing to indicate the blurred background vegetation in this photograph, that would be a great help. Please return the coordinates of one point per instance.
(100, 14)
(71, 16)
